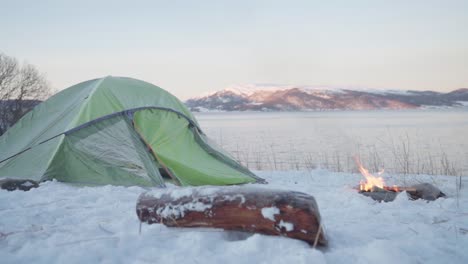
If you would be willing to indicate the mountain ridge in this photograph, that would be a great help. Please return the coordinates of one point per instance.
(309, 98)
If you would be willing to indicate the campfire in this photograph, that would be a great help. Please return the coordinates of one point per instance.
(374, 187)
(371, 181)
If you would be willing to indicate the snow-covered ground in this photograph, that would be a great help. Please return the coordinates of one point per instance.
(60, 223)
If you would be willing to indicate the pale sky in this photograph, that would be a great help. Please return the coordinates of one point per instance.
(191, 47)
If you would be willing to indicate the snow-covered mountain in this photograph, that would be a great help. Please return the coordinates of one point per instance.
(304, 98)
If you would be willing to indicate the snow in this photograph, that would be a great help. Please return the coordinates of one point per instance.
(27, 184)
(246, 90)
(249, 89)
(202, 109)
(270, 212)
(61, 223)
(174, 193)
(463, 103)
(385, 91)
(201, 191)
(286, 225)
(177, 211)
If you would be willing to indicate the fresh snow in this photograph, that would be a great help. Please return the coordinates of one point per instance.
(286, 225)
(201, 191)
(61, 223)
(27, 184)
(178, 210)
(270, 212)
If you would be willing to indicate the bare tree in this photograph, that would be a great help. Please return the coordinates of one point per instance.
(21, 88)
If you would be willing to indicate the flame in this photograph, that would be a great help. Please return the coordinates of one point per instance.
(371, 180)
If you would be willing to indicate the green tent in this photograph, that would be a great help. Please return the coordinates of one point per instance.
(118, 131)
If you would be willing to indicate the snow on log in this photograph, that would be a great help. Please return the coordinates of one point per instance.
(425, 191)
(240, 208)
(17, 184)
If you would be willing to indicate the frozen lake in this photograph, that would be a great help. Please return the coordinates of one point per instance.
(429, 141)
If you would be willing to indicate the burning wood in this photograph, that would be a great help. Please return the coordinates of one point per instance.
(371, 180)
(399, 189)
(375, 188)
(249, 209)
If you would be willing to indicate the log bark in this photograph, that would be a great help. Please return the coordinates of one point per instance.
(381, 195)
(15, 184)
(249, 209)
(399, 189)
(423, 191)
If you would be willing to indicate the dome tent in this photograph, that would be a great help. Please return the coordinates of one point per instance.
(118, 131)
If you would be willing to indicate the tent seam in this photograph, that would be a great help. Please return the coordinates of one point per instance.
(103, 118)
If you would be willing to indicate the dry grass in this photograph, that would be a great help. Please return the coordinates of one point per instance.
(402, 159)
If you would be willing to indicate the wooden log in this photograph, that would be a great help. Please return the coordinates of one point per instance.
(380, 195)
(399, 189)
(17, 184)
(240, 208)
(423, 191)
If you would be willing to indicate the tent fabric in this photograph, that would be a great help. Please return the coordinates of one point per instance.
(173, 142)
(119, 131)
(111, 150)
